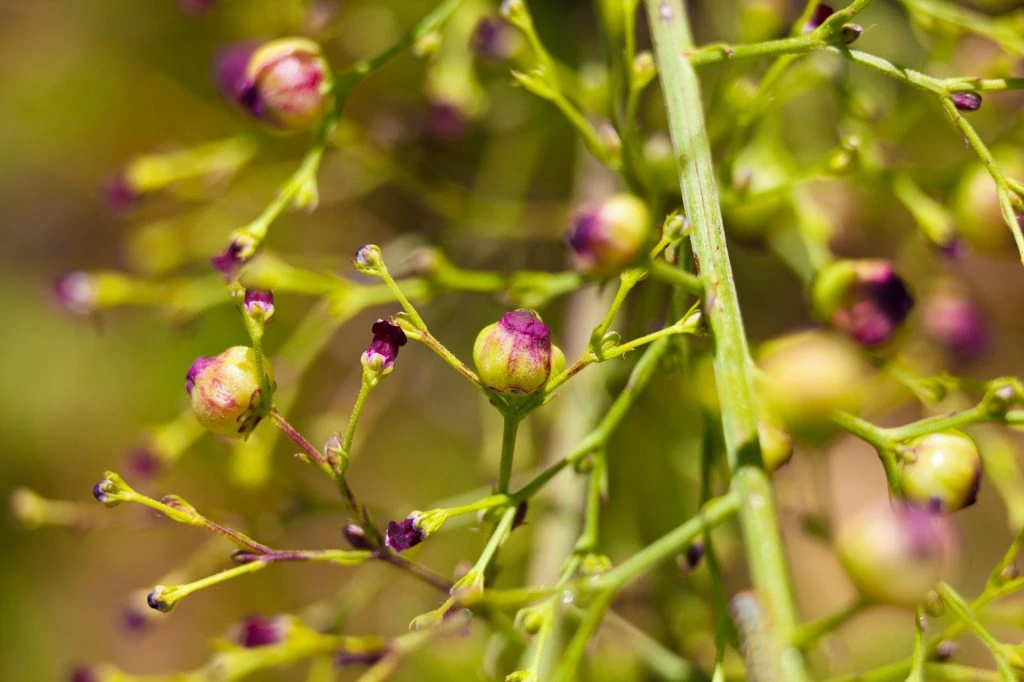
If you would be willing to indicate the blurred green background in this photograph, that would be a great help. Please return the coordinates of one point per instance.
(86, 85)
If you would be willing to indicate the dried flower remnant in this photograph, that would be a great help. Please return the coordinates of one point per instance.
(259, 304)
(966, 101)
(257, 631)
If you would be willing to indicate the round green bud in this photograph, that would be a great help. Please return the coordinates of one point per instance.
(776, 444)
(225, 391)
(515, 354)
(894, 555)
(941, 471)
(610, 236)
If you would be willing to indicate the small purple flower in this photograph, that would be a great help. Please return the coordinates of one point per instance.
(142, 461)
(119, 193)
(234, 83)
(83, 674)
(229, 262)
(866, 299)
(966, 101)
(76, 293)
(198, 365)
(818, 17)
(694, 554)
(494, 38)
(402, 535)
(259, 303)
(387, 339)
(445, 121)
(256, 631)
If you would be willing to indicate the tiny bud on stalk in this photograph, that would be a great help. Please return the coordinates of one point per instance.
(893, 555)
(941, 471)
(515, 354)
(225, 391)
(611, 236)
(966, 101)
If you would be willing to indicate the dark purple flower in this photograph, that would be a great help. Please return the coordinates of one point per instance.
(866, 299)
(818, 17)
(387, 339)
(402, 535)
(356, 536)
(119, 193)
(142, 461)
(694, 554)
(256, 631)
(198, 365)
(229, 262)
(445, 121)
(76, 293)
(156, 603)
(83, 674)
(259, 303)
(966, 101)
(494, 38)
(954, 322)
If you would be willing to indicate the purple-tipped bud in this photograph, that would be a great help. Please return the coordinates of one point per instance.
(387, 339)
(225, 391)
(515, 353)
(894, 555)
(156, 600)
(231, 261)
(284, 83)
(520, 517)
(866, 299)
(445, 121)
(609, 236)
(953, 321)
(941, 472)
(76, 293)
(119, 193)
(256, 631)
(401, 535)
(818, 17)
(966, 101)
(259, 304)
(494, 38)
(356, 537)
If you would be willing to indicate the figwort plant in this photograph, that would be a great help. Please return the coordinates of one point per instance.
(667, 223)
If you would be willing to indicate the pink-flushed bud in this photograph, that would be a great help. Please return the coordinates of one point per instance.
(966, 101)
(610, 236)
(256, 631)
(259, 304)
(225, 391)
(284, 83)
(404, 534)
(893, 554)
(514, 354)
(387, 339)
(76, 293)
(941, 472)
(818, 16)
(866, 299)
(494, 38)
(953, 321)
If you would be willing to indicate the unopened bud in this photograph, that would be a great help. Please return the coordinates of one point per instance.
(225, 391)
(610, 236)
(941, 471)
(256, 631)
(259, 304)
(966, 101)
(514, 354)
(866, 299)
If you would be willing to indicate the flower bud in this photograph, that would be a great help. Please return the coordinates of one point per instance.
(355, 536)
(966, 101)
(941, 471)
(866, 299)
(387, 339)
(284, 83)
(894, 555)
(256, 631)
(818, 16)
(609, 236)
(225, 391)
(776, 444)
(515, 353)
(259, 304)
(953, 321)
(404, 534)
(494, 38)
(808, 375)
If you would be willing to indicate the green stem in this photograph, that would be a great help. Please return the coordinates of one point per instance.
(809, 633)
(919, 657)
(508, 448)
(959, 608)
(663, 272)
(762, 534)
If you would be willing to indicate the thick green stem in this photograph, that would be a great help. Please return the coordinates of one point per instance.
(508, 449)
(762, 535)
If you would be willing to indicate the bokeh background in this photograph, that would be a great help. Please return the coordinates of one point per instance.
(490, 174)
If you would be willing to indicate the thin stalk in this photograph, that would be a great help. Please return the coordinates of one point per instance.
(762, 533)
(508, 449)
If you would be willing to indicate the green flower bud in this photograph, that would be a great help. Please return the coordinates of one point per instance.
(610, 236)
(941, 471)
(225, 391)
(515, 354)
(776, 444)
(894, 555)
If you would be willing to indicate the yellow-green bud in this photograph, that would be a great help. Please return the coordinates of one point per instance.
(941, 471)
(515, 353)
